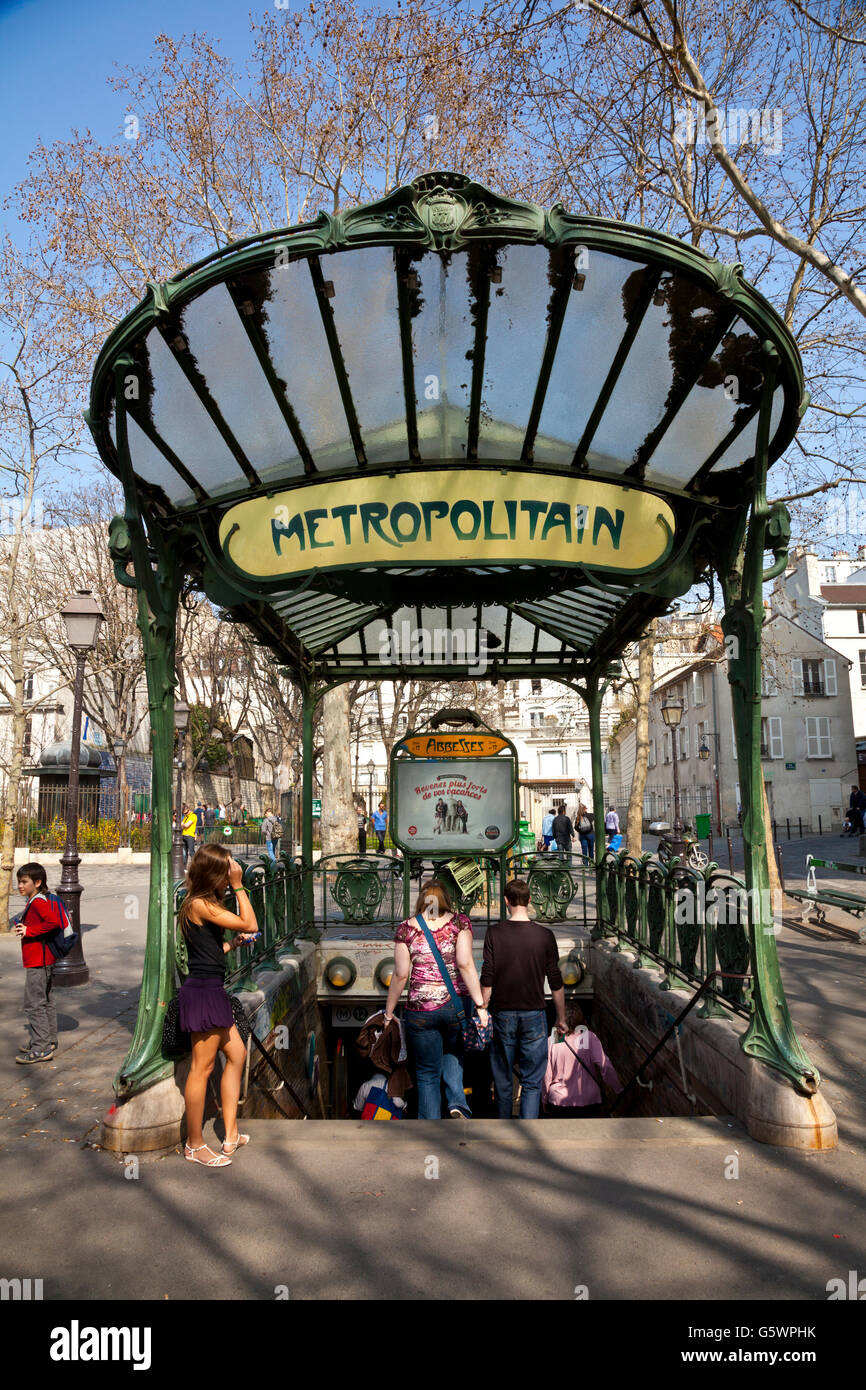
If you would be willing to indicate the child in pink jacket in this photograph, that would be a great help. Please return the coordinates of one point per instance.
(569, 1089)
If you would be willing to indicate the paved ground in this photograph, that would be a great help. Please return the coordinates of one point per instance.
(629, 1208)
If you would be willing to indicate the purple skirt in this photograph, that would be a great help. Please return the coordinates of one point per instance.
(204, 1004)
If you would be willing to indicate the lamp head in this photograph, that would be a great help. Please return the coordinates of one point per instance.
(181, 716)
(83, 618)
(672, 711)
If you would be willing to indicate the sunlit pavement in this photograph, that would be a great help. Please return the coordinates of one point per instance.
(628, 1208)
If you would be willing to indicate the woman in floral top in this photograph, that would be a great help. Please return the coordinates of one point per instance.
(433, 1025)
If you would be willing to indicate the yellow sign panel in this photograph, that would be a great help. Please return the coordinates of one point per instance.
(454, 745)
(449, 516)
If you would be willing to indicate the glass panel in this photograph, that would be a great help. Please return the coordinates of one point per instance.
(301, 357)
(516, 333)
(150, 465)
(592, 330)
(225, 357)
(181, 420)
(522, 635)
(730, 383)
(743, 447)
(365, 312)
(350, 646)
(633, 409)
(443, 336)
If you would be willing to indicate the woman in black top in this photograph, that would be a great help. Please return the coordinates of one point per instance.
(205, 1008)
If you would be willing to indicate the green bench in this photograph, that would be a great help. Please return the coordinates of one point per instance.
(824, 897)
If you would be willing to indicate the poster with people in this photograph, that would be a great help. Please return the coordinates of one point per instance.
(454, 806)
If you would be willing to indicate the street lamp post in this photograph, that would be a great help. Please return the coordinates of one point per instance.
(119, 746)
(181, 721)
(672, 713)
(703, 754)
(83, 618)
(296, 801)
(371, 768)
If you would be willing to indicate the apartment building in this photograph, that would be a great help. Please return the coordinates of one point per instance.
(807, 735)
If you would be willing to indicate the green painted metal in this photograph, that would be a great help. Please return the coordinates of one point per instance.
(771, 1035)
(308, 707)
(157, 574)
(358, 891)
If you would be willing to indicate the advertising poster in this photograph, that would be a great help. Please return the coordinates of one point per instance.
(459, 806)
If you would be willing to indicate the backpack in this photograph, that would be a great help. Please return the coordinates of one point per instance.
(64, 938)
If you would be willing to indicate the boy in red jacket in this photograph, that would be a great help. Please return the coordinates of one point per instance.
(38, 920)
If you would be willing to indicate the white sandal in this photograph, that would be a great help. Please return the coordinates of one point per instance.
(216, 1161)
(230, 1145)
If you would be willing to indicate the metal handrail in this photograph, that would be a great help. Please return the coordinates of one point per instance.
(716, 974)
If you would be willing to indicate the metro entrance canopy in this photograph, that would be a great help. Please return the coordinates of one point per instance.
(451, 411)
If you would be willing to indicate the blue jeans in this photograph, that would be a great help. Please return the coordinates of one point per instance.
(519, 1042)
(587, 846)
(272, 848)
(436, 1045)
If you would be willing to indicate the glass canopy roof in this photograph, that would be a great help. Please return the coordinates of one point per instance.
(446, 328)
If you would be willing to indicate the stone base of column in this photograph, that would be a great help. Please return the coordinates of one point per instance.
(146, 1122)
(777, 1114)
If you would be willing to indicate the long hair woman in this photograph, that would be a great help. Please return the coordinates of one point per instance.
(205, 1008)
(433, 1026)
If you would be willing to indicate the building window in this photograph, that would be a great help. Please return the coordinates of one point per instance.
(829, 574)
(28, 687)
(536, 687)
(813, 677)
(683, 742)
(863, 669)
(861, 620)
(552, 764)
(699, 687)
(651, 757)
(536, 718)
(26, 746)
(769, 678)
(666, 744)
(771, 737)
(818, 742)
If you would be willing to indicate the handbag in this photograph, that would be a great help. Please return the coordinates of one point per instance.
(241, 1019)
(475, 1037)
(175, 1043)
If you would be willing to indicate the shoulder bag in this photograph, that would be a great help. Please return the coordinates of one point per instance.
(475, 1038)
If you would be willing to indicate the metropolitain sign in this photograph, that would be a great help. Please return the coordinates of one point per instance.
(449, 517)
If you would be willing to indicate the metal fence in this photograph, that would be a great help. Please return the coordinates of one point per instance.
(691, 922)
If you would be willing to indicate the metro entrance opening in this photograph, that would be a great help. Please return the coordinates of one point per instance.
(448, 412)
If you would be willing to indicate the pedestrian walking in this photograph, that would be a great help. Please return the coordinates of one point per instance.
(611, 823)
(563, 832)
(362, 827)
(518, 955)
(857, 808)
(272, 829)
(40, 921)
(380, 824)
(187, 829)
(576, 1067)
(586, 831)
(434, 1024)
(547, 828)
(205, 1010)
(209, 817)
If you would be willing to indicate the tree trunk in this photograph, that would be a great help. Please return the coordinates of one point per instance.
(772, 867)
(634, 822)
(339, 822)
(10, 815)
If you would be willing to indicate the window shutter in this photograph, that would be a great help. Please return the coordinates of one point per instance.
(824, 732)
(797, 669)
(776, 748)
(830, 677)
(684, 740)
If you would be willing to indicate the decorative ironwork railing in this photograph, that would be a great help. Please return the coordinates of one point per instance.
(690, 922)
(357, 890)
(560, 885)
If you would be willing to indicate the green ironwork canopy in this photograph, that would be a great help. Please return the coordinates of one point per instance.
(293, 414)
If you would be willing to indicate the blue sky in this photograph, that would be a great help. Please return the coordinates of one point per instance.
(59, 53)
